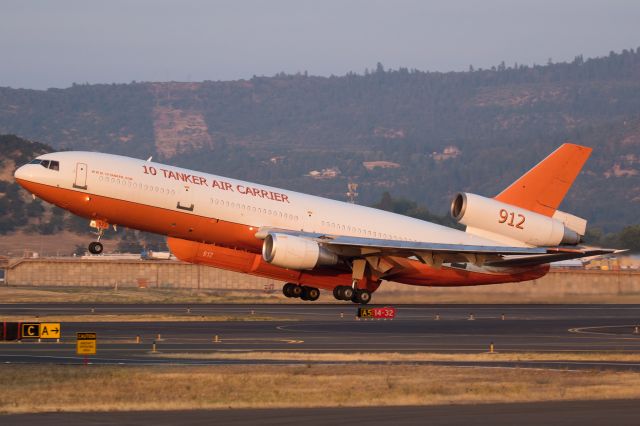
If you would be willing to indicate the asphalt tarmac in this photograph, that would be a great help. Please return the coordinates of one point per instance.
(583, 413)
(309, 327)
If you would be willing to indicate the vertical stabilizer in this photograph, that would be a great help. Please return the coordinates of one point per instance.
(543, 187)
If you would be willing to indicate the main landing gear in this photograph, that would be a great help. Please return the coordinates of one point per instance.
(302, 291)
(360, 296)
(96, 247)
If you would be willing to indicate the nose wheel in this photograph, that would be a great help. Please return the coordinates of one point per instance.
(96, 247)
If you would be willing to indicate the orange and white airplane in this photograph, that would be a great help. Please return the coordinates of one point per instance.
(315, 243)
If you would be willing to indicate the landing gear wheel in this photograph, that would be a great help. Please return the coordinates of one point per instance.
(96, 247)
(287, 289)
(296, 291)
(336, 292)
(305, 293)
(346, 293)
(361, 296)
(313, 294)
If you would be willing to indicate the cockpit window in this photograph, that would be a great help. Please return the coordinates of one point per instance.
(48, 164)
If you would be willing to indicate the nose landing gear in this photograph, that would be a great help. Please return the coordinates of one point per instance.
(96, 247)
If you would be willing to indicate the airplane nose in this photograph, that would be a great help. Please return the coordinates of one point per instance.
(19, 173)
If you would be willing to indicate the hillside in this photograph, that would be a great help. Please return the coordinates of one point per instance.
(420, 135)
(30, 224)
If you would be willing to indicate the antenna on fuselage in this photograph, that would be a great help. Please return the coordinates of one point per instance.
(149, 159)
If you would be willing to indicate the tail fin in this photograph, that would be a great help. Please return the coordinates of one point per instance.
(543, 187)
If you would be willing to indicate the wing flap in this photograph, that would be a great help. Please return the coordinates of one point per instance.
(438, 253)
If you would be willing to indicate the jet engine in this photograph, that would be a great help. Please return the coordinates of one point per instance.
(507, 223)
(287, 251)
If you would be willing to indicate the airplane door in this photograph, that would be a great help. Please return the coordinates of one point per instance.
(81, 176)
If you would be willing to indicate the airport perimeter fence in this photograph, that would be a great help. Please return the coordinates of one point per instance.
(561, 286)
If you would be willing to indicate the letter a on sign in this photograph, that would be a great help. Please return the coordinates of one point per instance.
(50, 330)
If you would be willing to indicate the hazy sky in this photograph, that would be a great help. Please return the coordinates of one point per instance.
(53, 43)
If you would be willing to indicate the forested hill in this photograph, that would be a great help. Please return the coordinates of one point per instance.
(421, 135)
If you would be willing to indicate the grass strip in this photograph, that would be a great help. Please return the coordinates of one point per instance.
(38, 388)
(412, 357)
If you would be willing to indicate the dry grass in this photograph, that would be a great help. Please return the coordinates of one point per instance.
(93, 388)
(61, 243)
(140, 318)
(415, 357)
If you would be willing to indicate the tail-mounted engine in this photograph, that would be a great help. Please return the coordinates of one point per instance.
(291, 252)
(493, 219)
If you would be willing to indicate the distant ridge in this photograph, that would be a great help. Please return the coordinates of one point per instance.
(473, 131)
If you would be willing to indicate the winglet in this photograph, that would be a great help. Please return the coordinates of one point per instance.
(542, 188)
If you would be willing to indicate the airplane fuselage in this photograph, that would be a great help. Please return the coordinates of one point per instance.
(213, 220)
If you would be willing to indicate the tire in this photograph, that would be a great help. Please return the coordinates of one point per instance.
(296, 291)
(336, 292)
(96, 247)
(287, 289)
(347, 293)
(364, 297)
(305, 293)
(313, 294)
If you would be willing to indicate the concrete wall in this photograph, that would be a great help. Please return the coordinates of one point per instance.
(557, 286)
(126, 273)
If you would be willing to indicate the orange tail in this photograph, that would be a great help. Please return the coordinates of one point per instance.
(542, 188)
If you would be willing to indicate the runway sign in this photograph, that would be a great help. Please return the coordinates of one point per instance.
(377, 313)
(30, 330)
(86, 343)
(50, 330)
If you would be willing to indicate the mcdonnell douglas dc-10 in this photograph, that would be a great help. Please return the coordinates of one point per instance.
(314, 243)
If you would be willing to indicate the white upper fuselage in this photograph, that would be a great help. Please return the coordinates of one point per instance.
(203, 194)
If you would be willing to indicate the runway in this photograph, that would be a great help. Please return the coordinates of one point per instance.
(310, 327)
(585, 413)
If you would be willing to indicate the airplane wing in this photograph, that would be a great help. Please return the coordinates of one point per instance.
(437, 253)
(524, 261)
